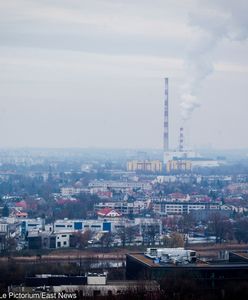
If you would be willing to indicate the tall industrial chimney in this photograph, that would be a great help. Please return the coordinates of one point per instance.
(181, 140)
(166, 117)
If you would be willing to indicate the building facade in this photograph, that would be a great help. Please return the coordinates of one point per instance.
(154, 166)
(165, 208)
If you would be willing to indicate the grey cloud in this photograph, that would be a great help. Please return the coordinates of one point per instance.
(90, 72)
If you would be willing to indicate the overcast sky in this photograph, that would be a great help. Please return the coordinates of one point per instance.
(90, 73)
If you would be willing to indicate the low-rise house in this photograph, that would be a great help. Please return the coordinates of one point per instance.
(108, 213)
(21, 214)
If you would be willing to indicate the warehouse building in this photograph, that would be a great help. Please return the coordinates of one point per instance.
(209, 273)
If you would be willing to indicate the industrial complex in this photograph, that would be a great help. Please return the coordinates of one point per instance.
(180, 159)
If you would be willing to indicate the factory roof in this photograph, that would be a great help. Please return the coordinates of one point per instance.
(141, 258)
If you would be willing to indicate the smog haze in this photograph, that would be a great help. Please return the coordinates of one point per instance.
(91, 73)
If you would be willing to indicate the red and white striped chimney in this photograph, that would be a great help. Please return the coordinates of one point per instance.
(166, 117)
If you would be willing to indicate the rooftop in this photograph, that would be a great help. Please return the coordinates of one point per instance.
(141, 258)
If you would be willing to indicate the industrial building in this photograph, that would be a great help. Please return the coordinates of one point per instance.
(61, 234)
(180, 159)
(175, 160)
(49, 286)
(208, 273)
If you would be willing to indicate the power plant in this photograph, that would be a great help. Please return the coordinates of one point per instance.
(179, 154)
(180, 159)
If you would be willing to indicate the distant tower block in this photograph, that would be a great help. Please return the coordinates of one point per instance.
(166, 117)
(181, 139)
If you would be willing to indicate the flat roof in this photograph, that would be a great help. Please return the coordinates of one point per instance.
(242, 254)
(132, 282)
(140, 257)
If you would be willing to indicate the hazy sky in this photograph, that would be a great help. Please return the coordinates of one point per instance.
(90, 73)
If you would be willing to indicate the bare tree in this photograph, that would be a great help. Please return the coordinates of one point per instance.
(122, 233)
(241, 230)
(149, 231)
(186, 223)
(174, 240)
(221, 227)
(106, 239)
(81, 239)
(130, 233)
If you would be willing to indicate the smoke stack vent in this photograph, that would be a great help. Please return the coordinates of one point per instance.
(181, 138)
(166, 117)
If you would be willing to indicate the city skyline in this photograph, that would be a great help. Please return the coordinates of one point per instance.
(91, 73)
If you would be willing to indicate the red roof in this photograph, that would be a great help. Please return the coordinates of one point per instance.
(178, 195)
(62, 201)
(106, 211)
(22, 204)
(21, 214)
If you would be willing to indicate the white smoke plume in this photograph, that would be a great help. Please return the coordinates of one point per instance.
(213, 21)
